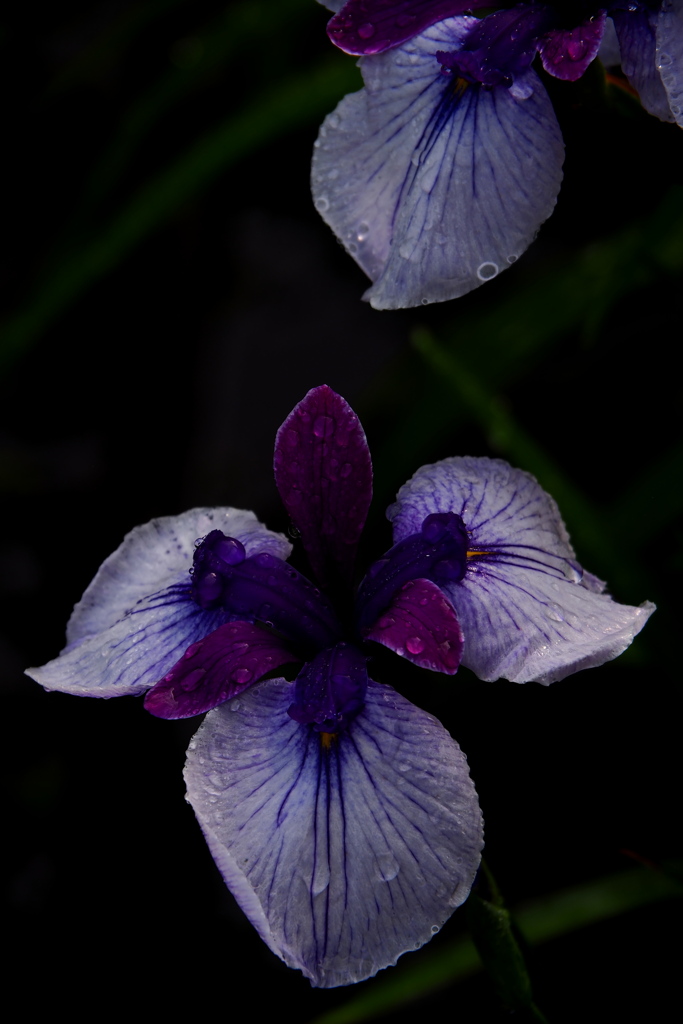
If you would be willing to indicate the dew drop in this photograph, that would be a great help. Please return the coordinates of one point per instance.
(322, 204)
(234, 705)
(425, 302)
(333, 120)
(363, 232)
(192, 649)
(323, 426)
(242, 675)
(388, 867)
(435, 928)
(366, 31)
(352, 248)
(486, 271)
(512, 259)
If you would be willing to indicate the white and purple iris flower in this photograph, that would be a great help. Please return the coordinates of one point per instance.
(342, 817)
(438, 174)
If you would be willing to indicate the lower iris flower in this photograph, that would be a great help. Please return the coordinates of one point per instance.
(438, 174)
(341, 816)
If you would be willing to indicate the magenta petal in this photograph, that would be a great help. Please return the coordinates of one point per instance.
(324, 474)
(215, 669)
(566, 53)
(420, 625)
(372, 26)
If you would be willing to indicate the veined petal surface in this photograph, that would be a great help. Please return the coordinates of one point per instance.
(669, 54)
(636, 32)
(137, 617)
(158, 555)
(527, 611)
(435, 186)
(343, 852)
(133, 654)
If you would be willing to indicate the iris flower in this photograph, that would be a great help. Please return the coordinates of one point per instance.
(341, 816)
(438, 174)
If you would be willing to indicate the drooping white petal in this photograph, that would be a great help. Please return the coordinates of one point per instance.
(137, 617)
(527, 610)
(669, 55)
(434, 186)
(343, 852)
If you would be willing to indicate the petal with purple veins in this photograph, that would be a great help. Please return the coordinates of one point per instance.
(566, 53)
(324, 474)
(372, 26)
(636, 32)
(344, 852)
(420, 625)
(433, 185)
(526, 610)
(158, 555)
(669, 54)
(137, 617)
(216, 669)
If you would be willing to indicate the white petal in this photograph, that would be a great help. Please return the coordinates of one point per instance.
(527, 610)
(669, 55)
(431, 194)
(344, 857)
(137, 618)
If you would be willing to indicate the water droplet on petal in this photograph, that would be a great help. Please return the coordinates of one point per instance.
(363, 232)
(333, 120)
(485, 271)
(242, 675)
(415, 644)
(387, 866)
(322, 204)
(323, 426)
(366, 31)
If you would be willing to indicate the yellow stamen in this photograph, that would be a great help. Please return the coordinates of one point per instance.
(327, 738)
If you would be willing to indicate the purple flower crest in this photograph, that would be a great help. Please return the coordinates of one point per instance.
(438, 174)
(341, 816)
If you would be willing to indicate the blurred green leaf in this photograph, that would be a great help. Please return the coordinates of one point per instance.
(538, 921)
(301, 99)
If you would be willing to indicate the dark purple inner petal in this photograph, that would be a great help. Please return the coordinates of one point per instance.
(262, 588)
(438, 553)
(215, 669)
(330, 690)
(324, 474)
(566, 53)
(371, 26)
(501, 46)
(421, 625)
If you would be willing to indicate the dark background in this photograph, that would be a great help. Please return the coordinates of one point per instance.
(154, 380)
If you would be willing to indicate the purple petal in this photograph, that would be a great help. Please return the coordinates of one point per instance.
(343, 852)
(137, 616)
(330, 689)
(526, 609)
(372, 26)
(669, 55)
(434, 186)
(324, 474)
(636, 32)
(216, 669)
(421, 626)
(566, 53)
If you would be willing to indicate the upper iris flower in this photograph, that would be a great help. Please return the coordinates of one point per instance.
(341, 816)
(439, 173)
